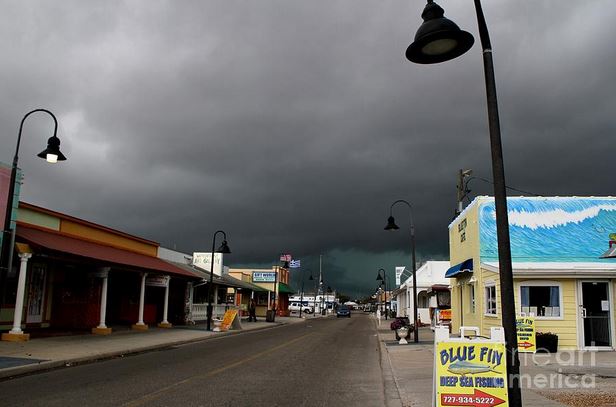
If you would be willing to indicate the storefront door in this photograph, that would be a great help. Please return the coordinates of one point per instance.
(595, 307)
(36, 294)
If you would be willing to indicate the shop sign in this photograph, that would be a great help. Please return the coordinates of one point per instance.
(158, 281)
(470, 371)
(204, 262)
(444, 314)
(527, 336)
(5, 181)
(263, 276)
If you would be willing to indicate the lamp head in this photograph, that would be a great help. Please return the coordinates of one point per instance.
(438, 39)
(391, 224)
(379, 277)
(224, 248)
(52, 153)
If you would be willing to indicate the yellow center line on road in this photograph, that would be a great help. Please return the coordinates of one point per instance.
(150, 397)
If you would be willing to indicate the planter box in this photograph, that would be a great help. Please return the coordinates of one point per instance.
(547, 343)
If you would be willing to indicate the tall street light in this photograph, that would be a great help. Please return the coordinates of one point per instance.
(301, 296)
(52, 154)
(329, 293)
(439, 39)
(224, 248)
(391, 225)
(379, 289)
(314, 302)
(383, 278)
(322, 290)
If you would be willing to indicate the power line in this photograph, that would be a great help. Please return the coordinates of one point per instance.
(466, 190)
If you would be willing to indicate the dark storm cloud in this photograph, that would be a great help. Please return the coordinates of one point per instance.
(293, 125)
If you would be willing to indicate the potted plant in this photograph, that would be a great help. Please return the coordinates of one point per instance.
(547, 342)
(402, 327)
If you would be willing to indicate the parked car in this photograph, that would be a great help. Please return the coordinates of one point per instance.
(343, 311)
(295, 306)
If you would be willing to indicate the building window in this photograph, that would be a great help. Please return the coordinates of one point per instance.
(490, 300)
(443, 299)
(261, 298)
(471, 297)
(540, 300)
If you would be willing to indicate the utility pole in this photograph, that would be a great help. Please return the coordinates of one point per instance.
(462, 175)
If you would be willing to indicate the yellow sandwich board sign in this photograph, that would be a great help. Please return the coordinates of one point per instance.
(527, 337)
(470, 372)
(227, 319)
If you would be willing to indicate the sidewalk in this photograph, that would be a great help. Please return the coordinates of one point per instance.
(18, 358)
(412, 369)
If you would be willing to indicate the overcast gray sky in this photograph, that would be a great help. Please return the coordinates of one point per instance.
(293, 125)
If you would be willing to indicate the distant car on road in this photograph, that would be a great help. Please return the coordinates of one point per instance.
(343, 311)
(295, 306)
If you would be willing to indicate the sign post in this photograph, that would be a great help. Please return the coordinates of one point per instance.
(470, 371)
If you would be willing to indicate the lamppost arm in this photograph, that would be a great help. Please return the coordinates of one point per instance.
(7, 215)
(6, 250)
(21, 125)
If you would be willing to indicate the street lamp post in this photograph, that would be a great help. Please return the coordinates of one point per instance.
(301, 296)
(224, 248)
(329, 293)
(52, 154)
(322, 290)
(314, 299)
(383, 278)
(391, 225)
(439, 39)
(379, 290)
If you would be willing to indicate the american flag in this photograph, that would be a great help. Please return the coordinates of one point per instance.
(294, 264)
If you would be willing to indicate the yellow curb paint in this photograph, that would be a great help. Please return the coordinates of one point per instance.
(101, 331)
(9, 337)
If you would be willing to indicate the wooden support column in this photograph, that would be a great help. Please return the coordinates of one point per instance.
(16, 334)
(165, 323)
(102, 329)
(140, 325)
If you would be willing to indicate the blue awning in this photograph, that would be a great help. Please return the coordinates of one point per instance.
(465, 267)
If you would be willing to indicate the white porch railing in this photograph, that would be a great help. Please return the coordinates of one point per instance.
(199, 311)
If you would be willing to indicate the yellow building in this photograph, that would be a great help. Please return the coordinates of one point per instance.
(564, 267)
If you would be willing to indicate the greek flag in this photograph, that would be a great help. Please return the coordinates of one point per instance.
(294, 264)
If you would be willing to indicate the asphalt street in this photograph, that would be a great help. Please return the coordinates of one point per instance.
(322, 362)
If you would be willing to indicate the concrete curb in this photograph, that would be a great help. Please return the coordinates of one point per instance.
(390, 384)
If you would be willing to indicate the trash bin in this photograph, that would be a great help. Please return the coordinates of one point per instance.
(270, 316)
(323, 312)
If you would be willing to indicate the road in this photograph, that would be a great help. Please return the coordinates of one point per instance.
(322, 362)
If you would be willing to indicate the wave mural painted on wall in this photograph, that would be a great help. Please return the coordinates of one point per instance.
(551, 229)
